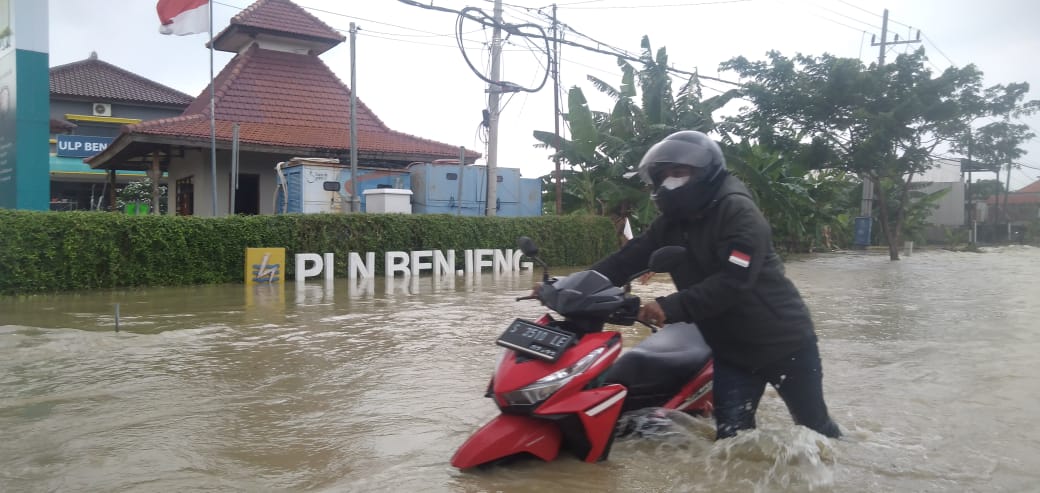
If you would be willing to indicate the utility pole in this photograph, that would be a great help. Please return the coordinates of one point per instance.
(1007, 191)
(971, 203)
(863, 223)
(556, 109)
(355, 200)
(494, 90)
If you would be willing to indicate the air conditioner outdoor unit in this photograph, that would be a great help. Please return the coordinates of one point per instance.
(102, 109)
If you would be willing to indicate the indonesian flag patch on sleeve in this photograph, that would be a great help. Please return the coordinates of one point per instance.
(739, 258)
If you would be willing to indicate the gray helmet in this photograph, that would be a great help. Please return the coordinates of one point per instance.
(686, 147)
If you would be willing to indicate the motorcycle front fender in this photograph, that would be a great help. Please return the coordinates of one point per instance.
(508, 435)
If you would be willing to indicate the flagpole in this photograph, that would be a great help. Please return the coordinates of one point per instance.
(212, 116)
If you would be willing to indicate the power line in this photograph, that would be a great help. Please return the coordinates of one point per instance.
(577, 3)
(837, 22)
(389, 37)
(511, 29)
(835, 12)
(615, 72)
(483, 18)
(697, 4)
(929, 40)
(523, 13)
(908, 26)
(857, 7)
(1029, 166)
(354, 17)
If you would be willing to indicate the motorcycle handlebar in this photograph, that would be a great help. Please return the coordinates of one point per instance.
(653, 328)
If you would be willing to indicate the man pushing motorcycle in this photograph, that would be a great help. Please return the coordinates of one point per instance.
(732, 285)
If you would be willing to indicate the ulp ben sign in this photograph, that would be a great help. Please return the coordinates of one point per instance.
(81, 145)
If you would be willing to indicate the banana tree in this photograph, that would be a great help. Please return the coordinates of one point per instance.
(805, 208)
(605, 147)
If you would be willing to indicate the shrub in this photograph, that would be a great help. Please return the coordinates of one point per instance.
(55, 251)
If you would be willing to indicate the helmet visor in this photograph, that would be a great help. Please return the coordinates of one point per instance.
(669, 154)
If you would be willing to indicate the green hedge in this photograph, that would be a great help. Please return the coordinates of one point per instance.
(55, 251)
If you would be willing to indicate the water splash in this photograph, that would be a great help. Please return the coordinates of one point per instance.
(789, 457)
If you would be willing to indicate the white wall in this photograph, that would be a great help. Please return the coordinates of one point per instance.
(951, 206)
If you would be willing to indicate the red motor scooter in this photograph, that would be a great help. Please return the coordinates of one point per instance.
(561, 383)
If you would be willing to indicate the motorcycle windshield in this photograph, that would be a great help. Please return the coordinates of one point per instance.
(583, 293)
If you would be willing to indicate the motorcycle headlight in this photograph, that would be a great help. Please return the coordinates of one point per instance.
(546, 386)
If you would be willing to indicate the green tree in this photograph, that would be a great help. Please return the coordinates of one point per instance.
(140, 191)
(984, 189)
(998, 144)
(604, 148)
(880, 123)
(807, 209)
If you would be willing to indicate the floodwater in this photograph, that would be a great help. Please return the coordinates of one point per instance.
(930, 368)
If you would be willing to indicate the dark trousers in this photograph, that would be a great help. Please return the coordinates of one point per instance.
(798, 379)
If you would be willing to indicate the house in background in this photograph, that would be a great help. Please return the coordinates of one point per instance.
(286, 102)
(90, 101)
(1023, 206)
(949, 211)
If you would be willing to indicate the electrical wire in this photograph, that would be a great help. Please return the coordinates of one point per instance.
(480, 16)
(873, 13)
(414, 3)
(828, 19)
(1028, 166)
(424, 33)
(579, 2)
(343, 15)
(520, 11)
(929, 40)
(590, 67)
(835, 12)
(369, 34)
(696, 4)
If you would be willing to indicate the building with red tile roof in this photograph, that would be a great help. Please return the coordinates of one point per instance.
(94, 80)
(1023, 205)
(286, 102)
(90, 101)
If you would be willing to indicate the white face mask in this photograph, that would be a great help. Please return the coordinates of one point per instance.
(673, 182)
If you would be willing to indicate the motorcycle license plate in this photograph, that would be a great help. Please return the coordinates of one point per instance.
(536, 341)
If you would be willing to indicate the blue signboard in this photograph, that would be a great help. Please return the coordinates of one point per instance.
(81, 145)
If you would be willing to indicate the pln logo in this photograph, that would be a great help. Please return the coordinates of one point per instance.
(264, 265)
(266, 271)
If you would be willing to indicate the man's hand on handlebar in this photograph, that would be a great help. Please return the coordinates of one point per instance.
(652, 313)
(535, 291)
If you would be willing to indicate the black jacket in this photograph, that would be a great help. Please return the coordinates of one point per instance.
(732, 284)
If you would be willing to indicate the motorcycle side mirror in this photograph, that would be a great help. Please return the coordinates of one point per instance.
(527, 246)
(667, 258)
(530, 249)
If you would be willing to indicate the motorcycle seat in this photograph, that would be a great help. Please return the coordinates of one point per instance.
(659, 365)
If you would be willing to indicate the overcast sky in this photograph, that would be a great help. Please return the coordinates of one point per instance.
(413, 76)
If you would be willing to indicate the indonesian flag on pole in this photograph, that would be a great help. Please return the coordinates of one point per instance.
(182, 17)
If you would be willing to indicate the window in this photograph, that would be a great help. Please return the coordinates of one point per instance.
(452, 176)
(185, 197)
